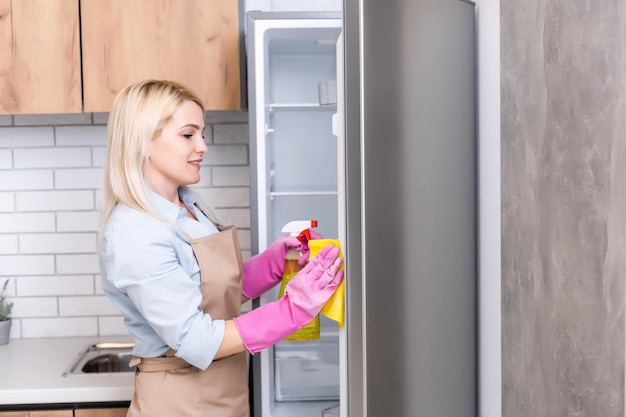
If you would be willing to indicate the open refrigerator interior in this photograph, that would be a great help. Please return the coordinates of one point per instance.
(296, 143)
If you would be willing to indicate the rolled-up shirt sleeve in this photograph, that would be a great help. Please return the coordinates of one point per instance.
(143, 264)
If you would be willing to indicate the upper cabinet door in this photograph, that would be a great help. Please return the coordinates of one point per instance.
(39, 57)
(195, 42)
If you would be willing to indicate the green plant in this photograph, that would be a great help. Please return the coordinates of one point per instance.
(5, 305)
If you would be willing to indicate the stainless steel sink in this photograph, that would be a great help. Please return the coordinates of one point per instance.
(101, 358)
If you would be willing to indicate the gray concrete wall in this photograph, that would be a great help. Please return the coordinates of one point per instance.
(563, 79)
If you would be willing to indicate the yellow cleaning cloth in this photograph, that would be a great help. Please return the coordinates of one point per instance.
(334, 307)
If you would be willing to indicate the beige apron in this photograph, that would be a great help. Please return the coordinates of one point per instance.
(168, 386)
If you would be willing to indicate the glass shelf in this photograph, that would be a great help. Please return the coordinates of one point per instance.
(299, 193)
(301, 106)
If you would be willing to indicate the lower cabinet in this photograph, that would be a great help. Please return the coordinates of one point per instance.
(78, 412)
(50, 413)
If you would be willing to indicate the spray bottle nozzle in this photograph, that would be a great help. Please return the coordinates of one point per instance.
(300, 228)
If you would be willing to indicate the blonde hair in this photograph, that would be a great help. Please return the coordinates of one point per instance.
(139, 113)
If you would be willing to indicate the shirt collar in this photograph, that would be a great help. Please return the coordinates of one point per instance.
(170, 210)
(187, 196)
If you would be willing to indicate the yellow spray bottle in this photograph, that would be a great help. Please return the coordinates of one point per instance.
(299, 228)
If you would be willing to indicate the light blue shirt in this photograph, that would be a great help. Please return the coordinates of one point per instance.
(149, 271)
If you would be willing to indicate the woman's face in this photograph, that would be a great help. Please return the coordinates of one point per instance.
(175, 155)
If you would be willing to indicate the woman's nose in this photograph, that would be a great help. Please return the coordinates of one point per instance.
(202, 146)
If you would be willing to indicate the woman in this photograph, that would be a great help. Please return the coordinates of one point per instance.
(176, 273)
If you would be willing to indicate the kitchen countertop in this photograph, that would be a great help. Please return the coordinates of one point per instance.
(31, 373)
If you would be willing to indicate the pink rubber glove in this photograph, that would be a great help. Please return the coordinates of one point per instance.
(265, 270)
(305, 295)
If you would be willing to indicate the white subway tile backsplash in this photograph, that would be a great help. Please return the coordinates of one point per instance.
(245, 239)
(226, 155)
(205, 176)
(24, 137)
(98, 284)
(8, 245)
(98, 196)
(81, 135)
(77, 264)
(225, 196)
(7, 202)
(231, 133)
(239, 217)
(26, 222)
(35, 307)
(112, 326)
(98, 156)
(22, 179)
(87, 306)
(51, 157)
(26, 264)
(226, 116)
(16, 329)
(60, 327)
(6, 159)
(10, 291)
(51, 171)
(231, 176)
(78, 221)
(58, 243)
(208, 134)
(52, 119)
(6, 120)
(86, 178)
(55, 200)
(100, 118)
(56, 285)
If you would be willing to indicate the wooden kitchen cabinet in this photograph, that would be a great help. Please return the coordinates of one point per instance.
(39, 57)
(50, 413)
(195, 42)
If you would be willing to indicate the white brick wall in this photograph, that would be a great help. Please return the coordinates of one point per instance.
(50, 176)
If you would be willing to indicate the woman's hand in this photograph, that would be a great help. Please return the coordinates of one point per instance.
(265, 270)
(306, 294)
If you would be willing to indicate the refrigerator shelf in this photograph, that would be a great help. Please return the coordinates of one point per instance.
(300, 193)
(307, 371)
(301, 106)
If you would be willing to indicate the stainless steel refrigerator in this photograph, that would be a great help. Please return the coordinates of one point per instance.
(365, 120)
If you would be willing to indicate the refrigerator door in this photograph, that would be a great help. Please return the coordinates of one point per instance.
(292, 76)
(411, 202)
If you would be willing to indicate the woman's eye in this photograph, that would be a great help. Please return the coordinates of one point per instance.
(188, 135)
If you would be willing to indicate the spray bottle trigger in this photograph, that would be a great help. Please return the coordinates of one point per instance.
(304, 236)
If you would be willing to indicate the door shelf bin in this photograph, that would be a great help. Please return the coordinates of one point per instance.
(307, 370)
